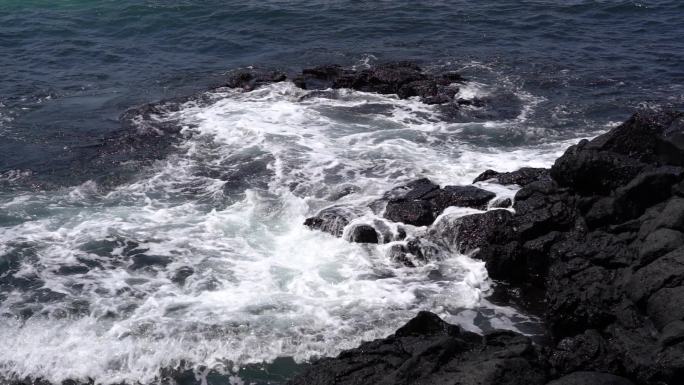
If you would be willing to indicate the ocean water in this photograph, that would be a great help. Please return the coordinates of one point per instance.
(140, 246)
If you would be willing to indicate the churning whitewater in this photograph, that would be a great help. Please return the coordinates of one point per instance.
(203, 260)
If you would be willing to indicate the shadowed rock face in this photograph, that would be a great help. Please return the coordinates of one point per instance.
(363, 234)
(430, 351)
(605, 238)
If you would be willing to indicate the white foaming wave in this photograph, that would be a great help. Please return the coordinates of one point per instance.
(262, 285)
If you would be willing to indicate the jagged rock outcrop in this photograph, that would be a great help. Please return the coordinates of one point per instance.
(405, 79)
(604, 237)
(430, 351)
(602, 233)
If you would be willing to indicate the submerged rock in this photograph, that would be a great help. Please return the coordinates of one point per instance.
(430, 351)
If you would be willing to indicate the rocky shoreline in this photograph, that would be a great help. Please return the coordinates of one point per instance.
(601, 234)
(596, 242)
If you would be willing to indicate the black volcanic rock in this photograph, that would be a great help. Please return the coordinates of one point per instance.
(521, 177)
(363, 234)
(419, 202)
(591, 378)
(462, 196)
(411, 212)
(604, 237)
(405, 79)
(250, 79)
(414, 190)
(331, 220)
(473, 231)
(414, 250)
(430, 351)
(602, 234)
(647, 139)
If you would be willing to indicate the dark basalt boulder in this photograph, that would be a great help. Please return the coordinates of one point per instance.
(616, 157)
(604, 237)
(411, 212)
(521, 177)
(462, 196)
(331, 220)
(430, 351)
(470, 232)
(405, 79)
(419, 202)
(414, 190)
(363, 234)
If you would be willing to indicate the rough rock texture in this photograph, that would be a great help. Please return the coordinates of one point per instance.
(521, 177)
(249, 79)
(363, 234)
(413, 252)
(430, 351)
(605, 238)
(601, 234)
(404, 79)
(591, 378)
(419, 202)
(331, 220)
(464, 234)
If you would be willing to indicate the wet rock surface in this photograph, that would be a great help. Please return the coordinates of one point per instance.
(428, 350)
(604, 238)
(419, 202)
(363, 234)
(601, 234)
(402, 78)
(331, 220)
(405, 79)
(521, 177)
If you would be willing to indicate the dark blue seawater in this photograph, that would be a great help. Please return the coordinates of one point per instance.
(70, 68)
(124, 256)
